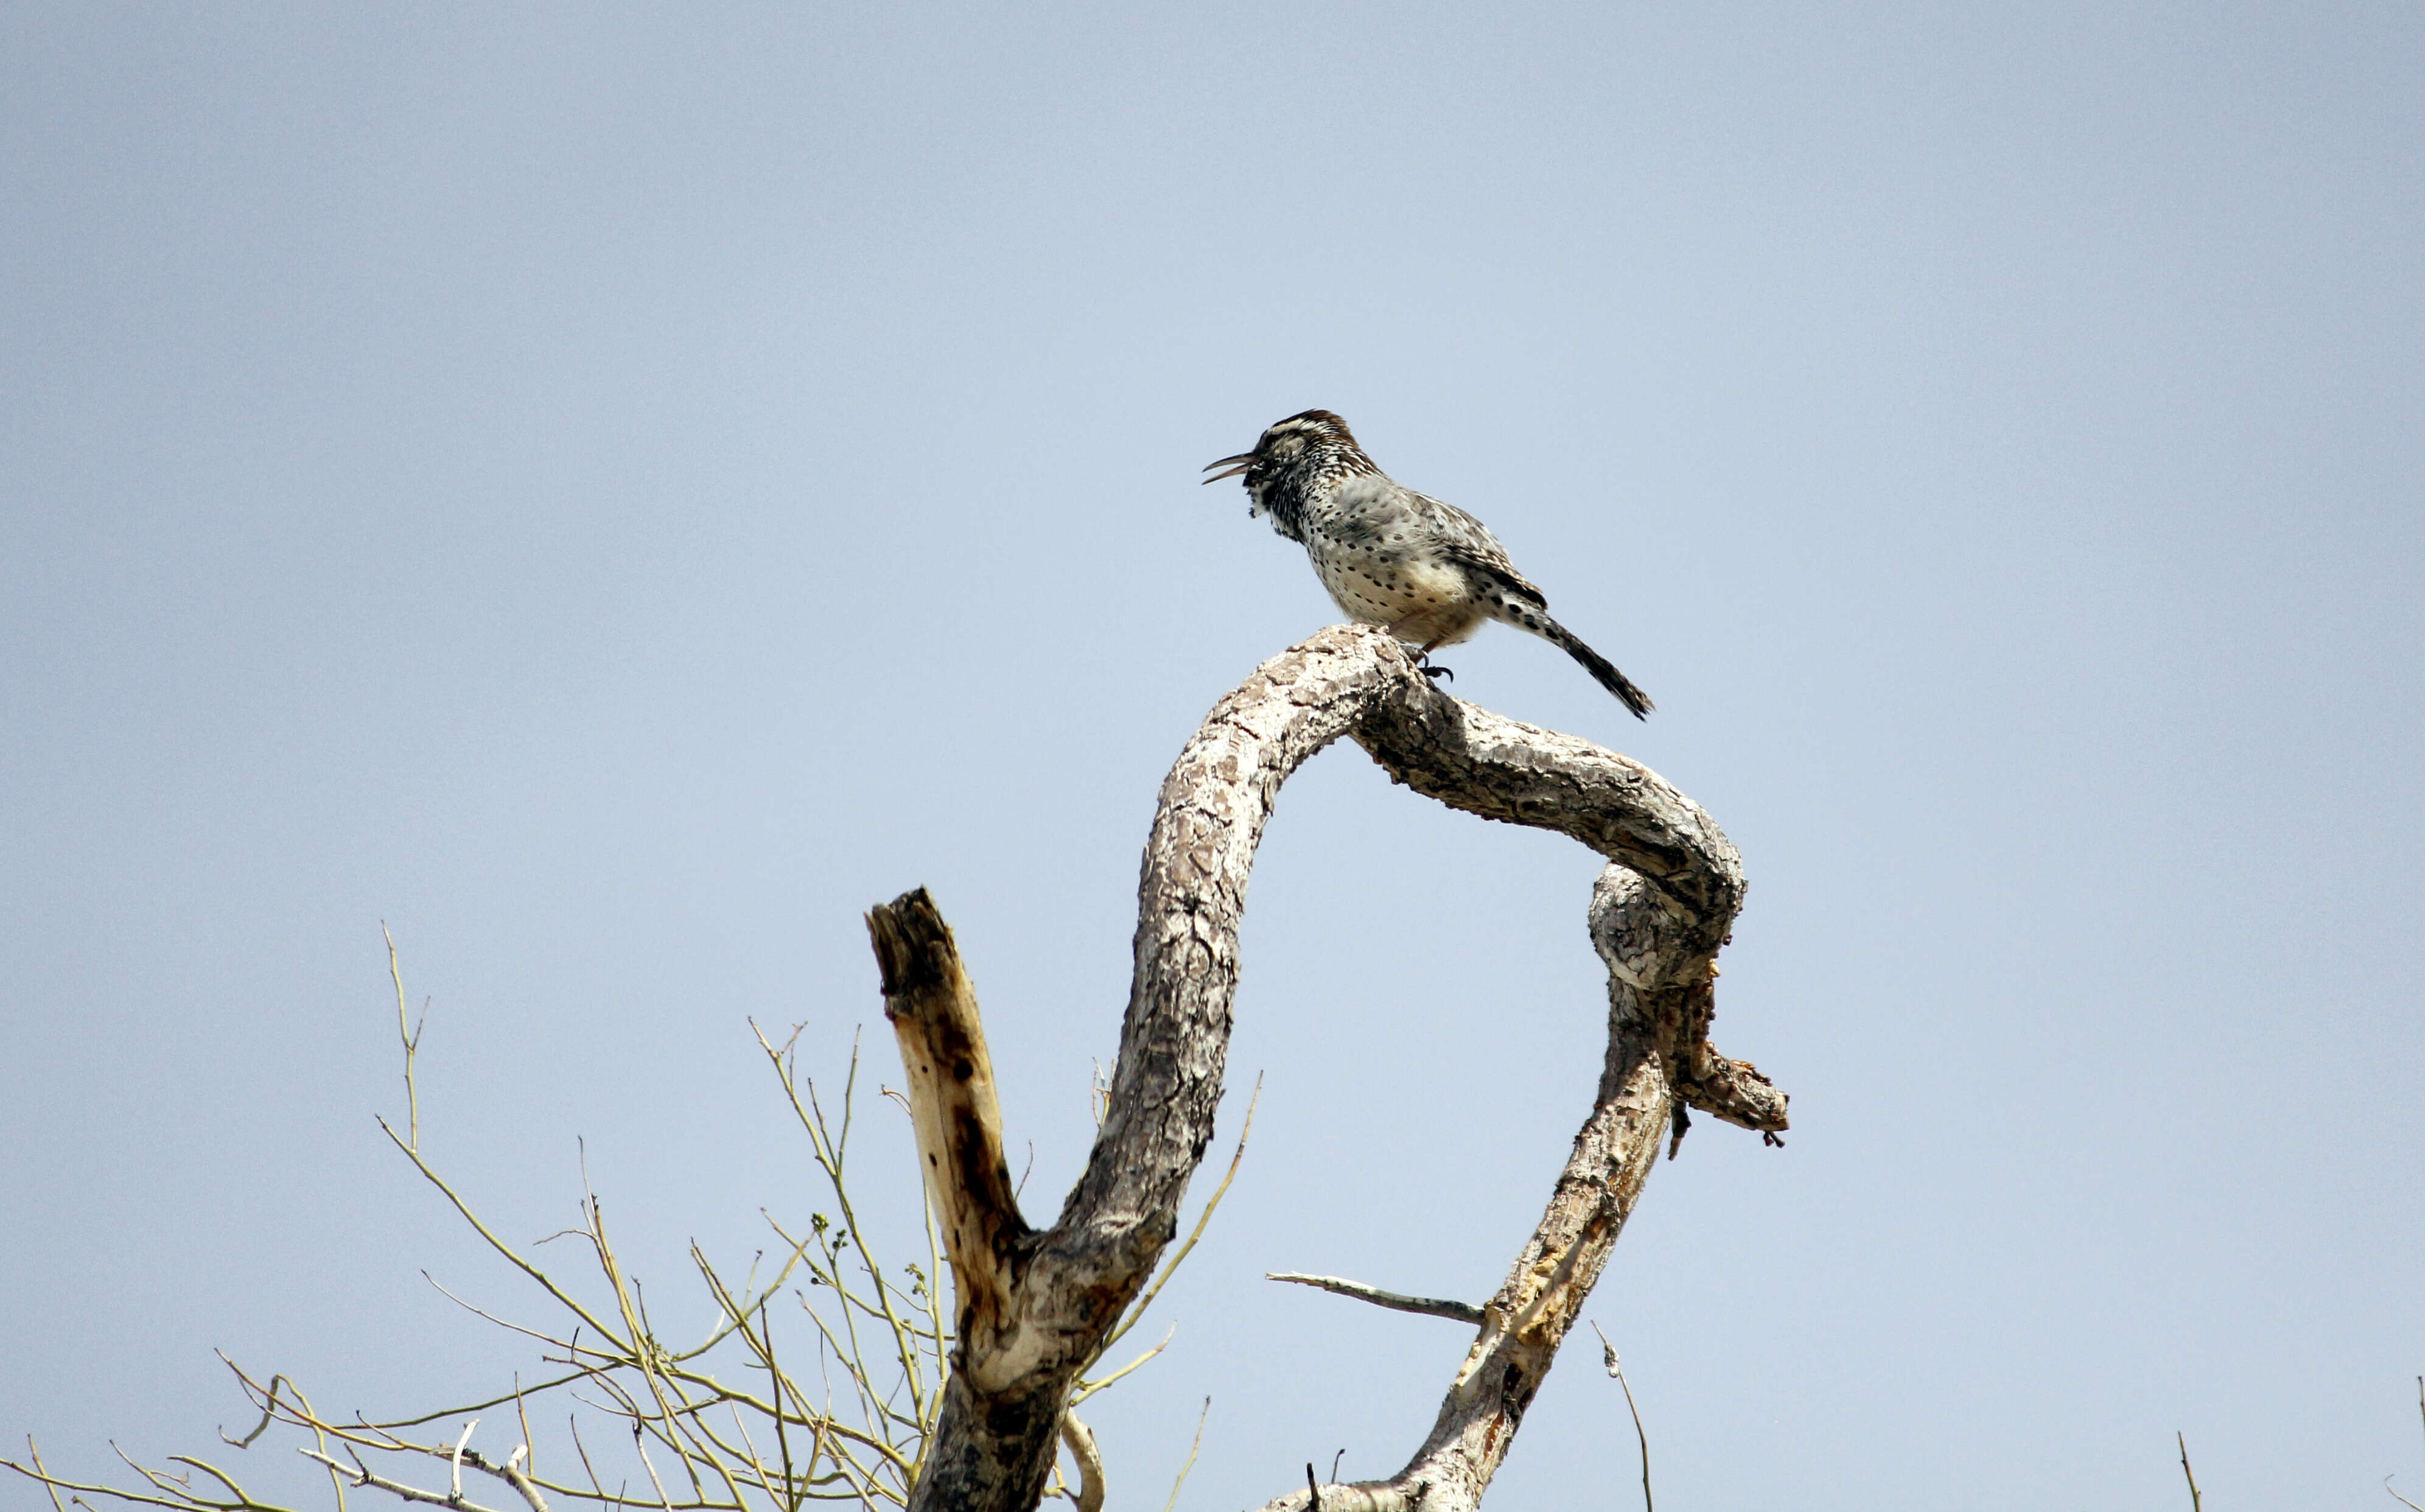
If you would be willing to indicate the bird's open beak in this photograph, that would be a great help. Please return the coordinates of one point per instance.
(1235, 464)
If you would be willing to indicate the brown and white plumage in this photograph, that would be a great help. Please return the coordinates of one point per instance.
(1389, 555)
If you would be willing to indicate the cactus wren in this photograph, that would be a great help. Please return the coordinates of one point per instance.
(1428, 571)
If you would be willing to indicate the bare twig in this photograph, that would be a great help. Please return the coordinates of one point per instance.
(41, 1472)
(1430, 1306)
(1201, 1413)
(362, 1475)
(411, 1034)
(1608, 1357)
(2194, 1503)
(268, 1410)
(1087, 1388)
(669, 1396)
(512, 1471)
(522, 1415)
(458, 1457)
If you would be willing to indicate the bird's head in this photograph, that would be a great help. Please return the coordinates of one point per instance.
(1296, 459)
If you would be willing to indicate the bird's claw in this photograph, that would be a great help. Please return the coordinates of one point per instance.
(1429, 671)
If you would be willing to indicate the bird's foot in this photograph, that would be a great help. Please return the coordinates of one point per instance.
(1423, 665)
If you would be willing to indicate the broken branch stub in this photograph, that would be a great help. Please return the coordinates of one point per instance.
(1036, 1306)
(933, 1010)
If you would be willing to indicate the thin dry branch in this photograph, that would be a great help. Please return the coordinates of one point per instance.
(1195, 1445)
(670, 1402)
(1396, 1301)
(362, 1475)
(1616, 1372)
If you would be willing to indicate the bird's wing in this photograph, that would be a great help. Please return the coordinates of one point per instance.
(1468, 543)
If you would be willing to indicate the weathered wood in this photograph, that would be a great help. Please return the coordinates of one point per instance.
(933, 1009)
(1526, 1321)
(1660, 1006)
(1660, 915)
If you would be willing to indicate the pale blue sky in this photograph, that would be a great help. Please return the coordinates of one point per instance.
(612, 491)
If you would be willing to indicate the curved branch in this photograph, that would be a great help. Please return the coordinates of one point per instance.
(1080, 1440)
(1660, 915)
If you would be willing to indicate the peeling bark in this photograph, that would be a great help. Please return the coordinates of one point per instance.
(1036, 1305)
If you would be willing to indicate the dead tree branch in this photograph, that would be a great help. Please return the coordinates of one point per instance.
(958, 1119)
(1396, 1301)
(1036, 1307)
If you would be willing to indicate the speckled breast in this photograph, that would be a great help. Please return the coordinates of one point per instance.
(1393, 583)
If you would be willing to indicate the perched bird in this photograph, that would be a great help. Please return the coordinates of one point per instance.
(1390, 556)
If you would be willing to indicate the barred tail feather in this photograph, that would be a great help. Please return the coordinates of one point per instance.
(1594, 663)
